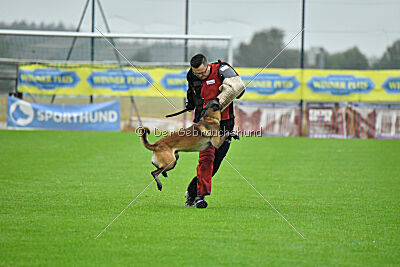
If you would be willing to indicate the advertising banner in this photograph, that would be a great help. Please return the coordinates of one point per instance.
(102, 116)
(268, 84)
(101, 80)
(341, 85)
(272, 84)
(267, 119)
(356, 120)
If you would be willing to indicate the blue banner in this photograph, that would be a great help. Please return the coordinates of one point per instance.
(270, 84)
(340, 84)
(101, 117)
(175, 81)
(119, 80)
(392, 85)
(48, 79)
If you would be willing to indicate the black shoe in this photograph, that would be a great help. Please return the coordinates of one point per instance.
(189, 200)
(201, 203)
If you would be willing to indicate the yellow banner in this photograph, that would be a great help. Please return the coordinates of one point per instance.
(351, 85)
(104, 80)
(269, 84)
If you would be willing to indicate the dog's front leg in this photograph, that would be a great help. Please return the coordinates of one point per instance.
(217, 141)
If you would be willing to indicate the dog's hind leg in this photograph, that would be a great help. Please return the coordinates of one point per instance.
(155, 175)
(164, 173)
(176, 155)
(165, 162)
(176, 159)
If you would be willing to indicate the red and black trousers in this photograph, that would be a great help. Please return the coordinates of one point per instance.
(210, 160)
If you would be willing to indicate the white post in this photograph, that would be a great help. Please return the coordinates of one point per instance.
(230, 52)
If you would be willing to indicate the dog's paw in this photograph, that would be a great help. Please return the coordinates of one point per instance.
(159, 186)
(165, 174)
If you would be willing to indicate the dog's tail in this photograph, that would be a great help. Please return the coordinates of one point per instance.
(143, 131)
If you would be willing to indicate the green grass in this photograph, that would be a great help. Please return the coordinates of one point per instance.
(60, 189)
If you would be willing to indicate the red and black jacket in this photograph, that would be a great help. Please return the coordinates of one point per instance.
(202, 91)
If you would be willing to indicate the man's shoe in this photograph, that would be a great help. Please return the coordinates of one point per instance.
(201, 203)
(189, 200)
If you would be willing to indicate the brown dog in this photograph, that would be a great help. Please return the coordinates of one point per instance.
(197, 137)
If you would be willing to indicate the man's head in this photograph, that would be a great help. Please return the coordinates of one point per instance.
(200, 66)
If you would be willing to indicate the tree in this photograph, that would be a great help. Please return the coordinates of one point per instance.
(391, 57)
(263, 47)
(142, 55)
(349, 59)
(23, 25)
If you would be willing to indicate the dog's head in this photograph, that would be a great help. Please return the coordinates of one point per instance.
(212, 109)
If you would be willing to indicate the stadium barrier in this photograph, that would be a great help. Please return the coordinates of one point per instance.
(267, 119)
(321, 120)
(353, 120)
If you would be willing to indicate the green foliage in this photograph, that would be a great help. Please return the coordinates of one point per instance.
(24, 47)
(266, 44)
(391, 57)
(23, 25)
(11, 46)
(349, 59)
(263, 46)
(59, 189)
(142, 55)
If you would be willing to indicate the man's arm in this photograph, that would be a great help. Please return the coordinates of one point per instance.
(226, 71)
(232, 85)
(190, 104)
(190, 99)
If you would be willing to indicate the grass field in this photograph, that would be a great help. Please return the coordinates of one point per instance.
(60, 189)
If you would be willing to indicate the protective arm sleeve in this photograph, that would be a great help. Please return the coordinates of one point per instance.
(231, 88)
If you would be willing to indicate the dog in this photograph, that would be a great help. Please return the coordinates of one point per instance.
(197, 137)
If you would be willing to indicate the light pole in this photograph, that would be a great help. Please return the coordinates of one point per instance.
(186, 30)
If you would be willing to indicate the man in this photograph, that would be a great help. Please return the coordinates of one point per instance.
(208, 81)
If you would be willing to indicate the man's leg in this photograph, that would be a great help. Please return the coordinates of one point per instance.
(220, 155)
(226, 126)
(204, 171)
(192, 187)
(191, 192)
(200, 185)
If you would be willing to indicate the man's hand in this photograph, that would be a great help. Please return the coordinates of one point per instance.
(234, 136)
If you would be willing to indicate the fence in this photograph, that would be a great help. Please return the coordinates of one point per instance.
(18, 47)
(353, 120)
(268, 119)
